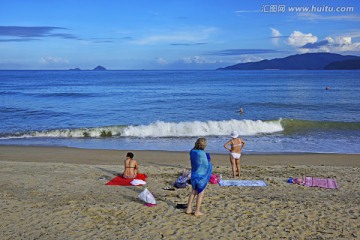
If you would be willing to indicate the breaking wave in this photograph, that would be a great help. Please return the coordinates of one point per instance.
(161, 129)
(164, 129)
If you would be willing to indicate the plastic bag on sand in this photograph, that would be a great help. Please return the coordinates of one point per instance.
(147, 196)
(137, 182)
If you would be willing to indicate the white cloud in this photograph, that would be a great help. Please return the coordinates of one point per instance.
(239, 12)
(194, 59)
(299, 39)
(275, 36)
(53, 60)
(342, 44)
(340, 40)
(312, 17)
(162, 61)
(249, 58)
(191, 36)
(199, 60)
(338, 44)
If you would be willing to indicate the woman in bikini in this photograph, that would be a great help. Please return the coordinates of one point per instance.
(236, 145)
(131, 166)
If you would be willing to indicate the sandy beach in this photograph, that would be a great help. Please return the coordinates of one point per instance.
(55, 193)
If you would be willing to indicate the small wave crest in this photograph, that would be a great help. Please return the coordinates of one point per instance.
(160, 129)
(71, 133)
(198, 128)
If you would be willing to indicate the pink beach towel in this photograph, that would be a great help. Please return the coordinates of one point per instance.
(320, 182)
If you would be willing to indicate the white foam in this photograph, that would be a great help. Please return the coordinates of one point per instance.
(75, 133)
(166, 129)
(197, 128)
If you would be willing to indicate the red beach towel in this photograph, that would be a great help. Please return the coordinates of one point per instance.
(120, 181)
(320, 182)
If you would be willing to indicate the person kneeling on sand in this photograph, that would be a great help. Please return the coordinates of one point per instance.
(201, 170)
(131, 166)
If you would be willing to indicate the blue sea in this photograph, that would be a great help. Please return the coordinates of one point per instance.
(284, 111)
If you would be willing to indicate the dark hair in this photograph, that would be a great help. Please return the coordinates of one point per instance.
(130, 155)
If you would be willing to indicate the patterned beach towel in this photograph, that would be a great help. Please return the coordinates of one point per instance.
(320, 182)
(242, 183)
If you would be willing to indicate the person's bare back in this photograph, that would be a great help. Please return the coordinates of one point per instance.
(131, 166)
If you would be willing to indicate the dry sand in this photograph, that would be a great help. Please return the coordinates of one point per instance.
(55, 193)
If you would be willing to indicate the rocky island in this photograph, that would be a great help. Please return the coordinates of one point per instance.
(98, 68)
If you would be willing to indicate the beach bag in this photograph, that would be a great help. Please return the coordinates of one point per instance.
(214, 178)
(182, 181)
(147, 196)
(299, 181)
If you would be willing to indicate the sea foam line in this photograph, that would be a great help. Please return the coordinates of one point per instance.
(198, 128)
(164, 129)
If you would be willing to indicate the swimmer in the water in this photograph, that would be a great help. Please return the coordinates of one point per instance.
(241, 111)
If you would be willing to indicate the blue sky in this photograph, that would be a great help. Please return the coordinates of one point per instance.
(171, 34)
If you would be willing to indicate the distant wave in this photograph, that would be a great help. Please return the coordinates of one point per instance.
(54, 94)
(66, 95)
(161, 129)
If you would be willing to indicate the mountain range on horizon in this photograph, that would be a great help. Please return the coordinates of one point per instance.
(306, 61)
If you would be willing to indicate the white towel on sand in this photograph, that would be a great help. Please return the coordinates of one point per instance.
(137, 182)
(242, 183)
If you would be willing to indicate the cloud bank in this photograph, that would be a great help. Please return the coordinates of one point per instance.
(305, 43)
(233, 52)
(21, 33)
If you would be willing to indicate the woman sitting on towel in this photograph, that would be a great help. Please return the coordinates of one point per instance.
(131, 166)
(201, 170)
(236, 145)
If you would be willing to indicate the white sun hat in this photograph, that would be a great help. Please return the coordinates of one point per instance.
(234, 134)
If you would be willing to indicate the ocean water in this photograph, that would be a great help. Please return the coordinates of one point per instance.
(284, 111)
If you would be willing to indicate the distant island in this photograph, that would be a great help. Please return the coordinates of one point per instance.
(98, 68)
(307, 61)
(74, 69)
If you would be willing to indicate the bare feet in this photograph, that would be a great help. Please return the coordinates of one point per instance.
(189, 212)
(198, 214)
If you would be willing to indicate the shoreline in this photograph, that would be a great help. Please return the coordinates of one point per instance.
(166, 158)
